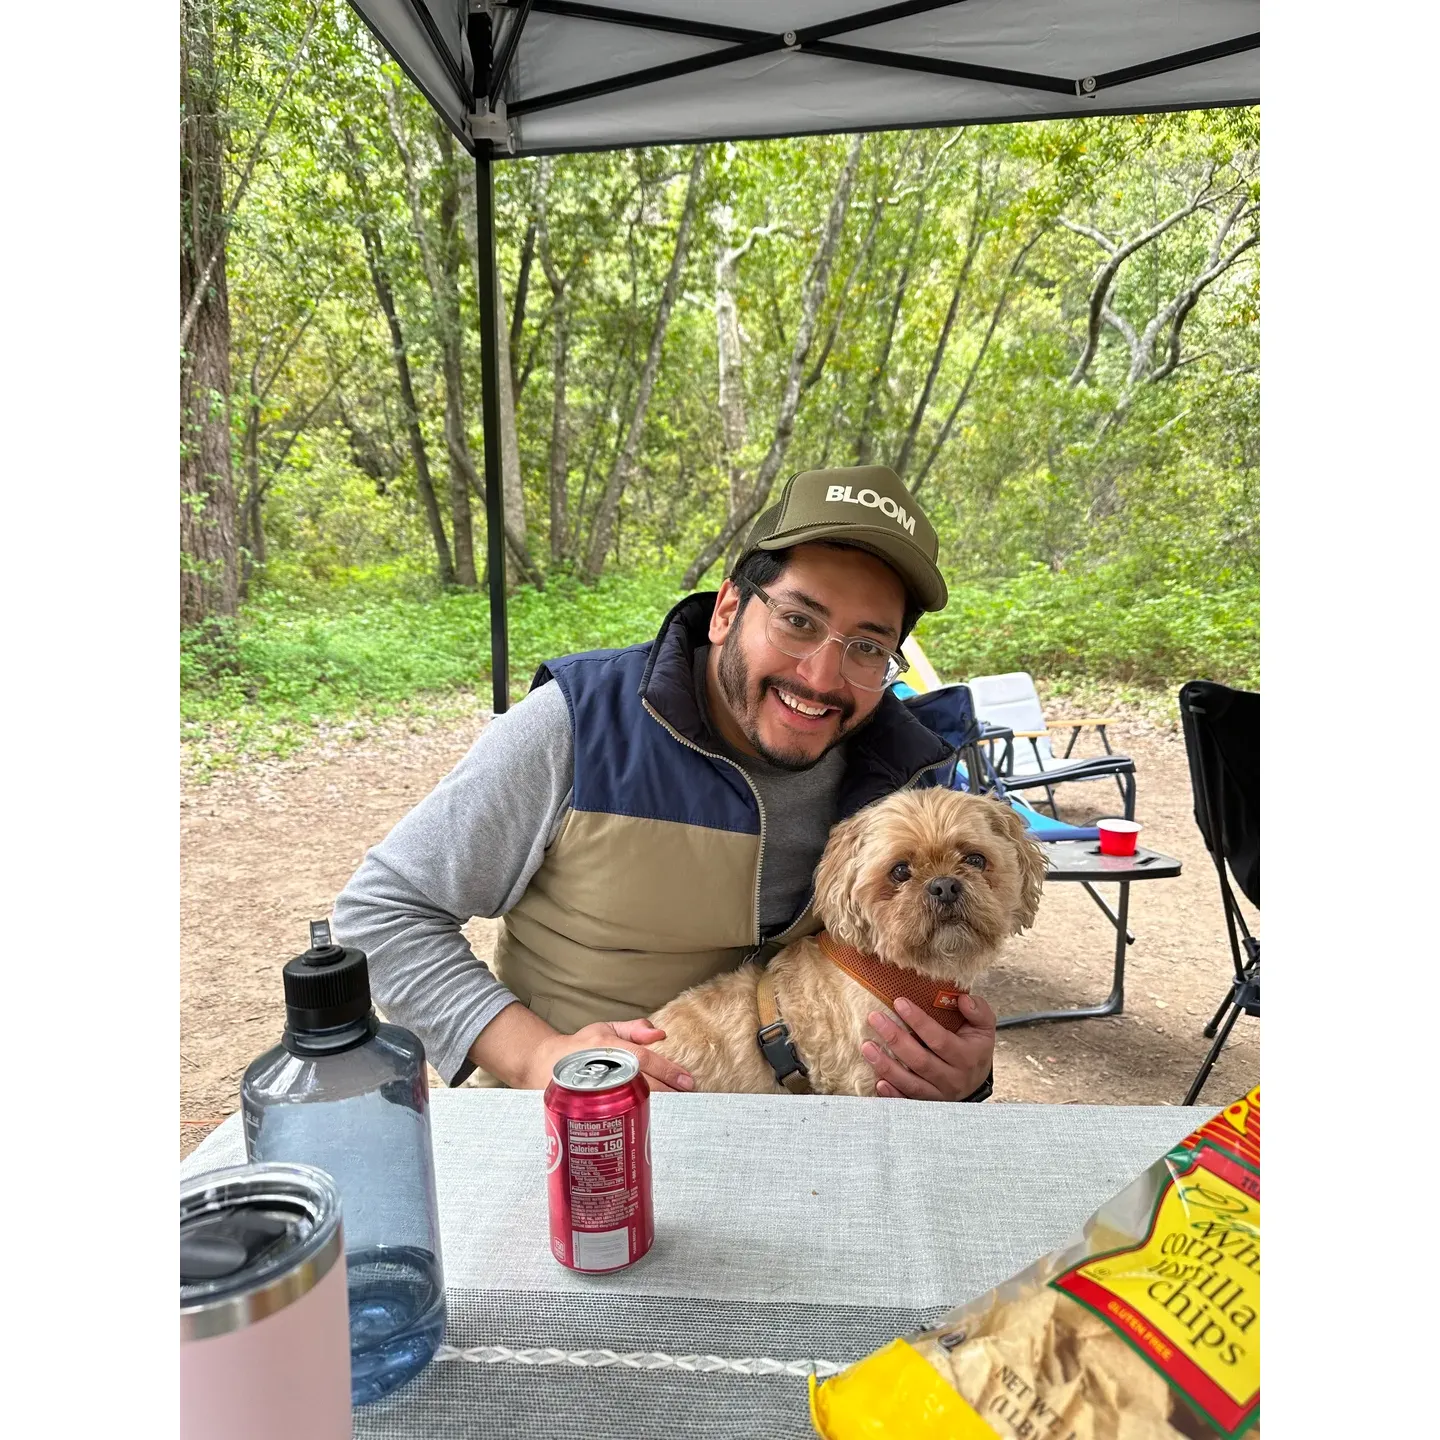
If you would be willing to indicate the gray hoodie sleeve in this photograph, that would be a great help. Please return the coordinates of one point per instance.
(469, 848)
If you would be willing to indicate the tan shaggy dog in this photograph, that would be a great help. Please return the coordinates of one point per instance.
(930, 880)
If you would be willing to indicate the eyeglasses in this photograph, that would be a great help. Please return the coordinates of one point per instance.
(800, 633)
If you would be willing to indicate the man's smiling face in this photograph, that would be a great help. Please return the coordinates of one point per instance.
(788, 711)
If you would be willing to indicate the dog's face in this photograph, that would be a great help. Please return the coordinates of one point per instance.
(930, 879)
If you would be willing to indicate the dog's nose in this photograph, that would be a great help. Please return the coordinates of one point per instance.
(945, 889)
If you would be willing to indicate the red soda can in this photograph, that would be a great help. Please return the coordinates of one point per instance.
(597, 1156)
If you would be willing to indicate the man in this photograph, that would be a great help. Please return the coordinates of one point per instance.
(648, 817)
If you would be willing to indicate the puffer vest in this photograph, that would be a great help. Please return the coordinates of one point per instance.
(653, 883)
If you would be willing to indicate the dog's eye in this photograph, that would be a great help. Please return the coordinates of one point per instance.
(978, 861)
(900, 873)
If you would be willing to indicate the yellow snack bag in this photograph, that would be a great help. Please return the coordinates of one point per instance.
(1145, 1327)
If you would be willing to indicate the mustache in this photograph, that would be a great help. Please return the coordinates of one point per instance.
(845, 706)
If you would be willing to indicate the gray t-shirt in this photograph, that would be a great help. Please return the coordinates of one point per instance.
(471, 846)
(798, 806)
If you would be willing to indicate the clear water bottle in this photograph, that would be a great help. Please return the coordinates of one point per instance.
(345, 1093)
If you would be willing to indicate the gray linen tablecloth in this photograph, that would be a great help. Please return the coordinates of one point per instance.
(792, 1233)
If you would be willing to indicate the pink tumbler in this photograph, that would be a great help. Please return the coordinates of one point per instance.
(264, 1320)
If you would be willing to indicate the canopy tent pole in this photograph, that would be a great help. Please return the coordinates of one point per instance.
(490, 417)
(484, 78)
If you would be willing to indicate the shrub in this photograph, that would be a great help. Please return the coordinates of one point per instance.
(302, 656)
(1095, 624)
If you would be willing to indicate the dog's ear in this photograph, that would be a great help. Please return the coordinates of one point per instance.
(837, 882)
(1028, 857)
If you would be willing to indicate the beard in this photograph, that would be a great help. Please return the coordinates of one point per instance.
(735, 686)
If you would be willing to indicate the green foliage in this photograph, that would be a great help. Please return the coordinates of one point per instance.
(381, 643)
(1098, 624)
(1097, 507)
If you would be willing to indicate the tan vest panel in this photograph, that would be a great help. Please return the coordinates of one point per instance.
(624, 914)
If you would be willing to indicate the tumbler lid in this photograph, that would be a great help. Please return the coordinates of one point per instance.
(253, 1238)
(327, 986)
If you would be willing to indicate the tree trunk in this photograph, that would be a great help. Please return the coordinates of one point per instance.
(602, 533)
(597, 443)
(865, 440)
(975, 364)
(375, 260)
(440, 278)
(979, 214)
(209, 572)
(257, 529)
(729, 349)
(249, 513)
(520, 562)
(1169, 317)
(559, 481)
(512, 492)
(559, 475)
(817, 284)
(731, 387)
(522, 295)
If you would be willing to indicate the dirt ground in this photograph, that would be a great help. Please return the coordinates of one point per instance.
(267, 848)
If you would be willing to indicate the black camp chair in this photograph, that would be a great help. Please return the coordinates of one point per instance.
(1222, 741)
(950, 713)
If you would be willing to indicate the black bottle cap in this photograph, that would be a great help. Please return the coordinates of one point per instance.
(327, 986)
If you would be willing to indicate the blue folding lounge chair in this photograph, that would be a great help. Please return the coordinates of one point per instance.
(1019, 742)
(950, 713)
(1045, 827)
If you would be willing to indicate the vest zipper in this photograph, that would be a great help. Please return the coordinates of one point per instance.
(740, 770)
(760, 806)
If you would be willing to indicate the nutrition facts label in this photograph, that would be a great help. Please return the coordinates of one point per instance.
(601, 1199)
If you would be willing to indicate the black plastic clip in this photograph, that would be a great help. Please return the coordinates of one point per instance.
(779, 1051)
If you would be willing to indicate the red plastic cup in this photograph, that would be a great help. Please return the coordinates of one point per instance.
(1117, 837)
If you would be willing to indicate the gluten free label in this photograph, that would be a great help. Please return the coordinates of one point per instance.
(1187, 1298)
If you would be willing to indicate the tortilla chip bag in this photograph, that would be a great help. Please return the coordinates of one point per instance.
(1145, 1327)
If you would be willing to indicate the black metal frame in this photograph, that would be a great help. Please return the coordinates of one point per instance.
(490, 71)
(977, 755)
(1244, 994)
(1121, 768)
(500, 67)
(1114, 1003)
(745, 44)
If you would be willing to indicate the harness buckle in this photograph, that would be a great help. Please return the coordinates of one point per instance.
(779, 1051)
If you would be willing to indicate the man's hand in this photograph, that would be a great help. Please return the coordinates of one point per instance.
(631, 1035)
(520, 1049)
(929, 1062)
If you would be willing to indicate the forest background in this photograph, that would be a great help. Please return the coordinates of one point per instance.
(1051, 331)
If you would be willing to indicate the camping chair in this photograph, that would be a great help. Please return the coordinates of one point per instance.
(1025, 760)
(1222, 741)
(949, 711)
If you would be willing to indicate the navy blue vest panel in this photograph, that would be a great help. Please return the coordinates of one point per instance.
(628, 763)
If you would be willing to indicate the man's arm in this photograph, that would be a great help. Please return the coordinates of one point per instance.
(519, 1048)
(469, 848)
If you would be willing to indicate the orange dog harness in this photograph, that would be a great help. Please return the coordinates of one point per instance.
(889, 982)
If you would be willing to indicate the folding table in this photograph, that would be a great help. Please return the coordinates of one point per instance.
(1080, 862)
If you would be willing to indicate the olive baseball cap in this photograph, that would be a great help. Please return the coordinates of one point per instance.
(866, 506)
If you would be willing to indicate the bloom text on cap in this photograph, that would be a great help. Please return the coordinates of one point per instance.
(874, 501)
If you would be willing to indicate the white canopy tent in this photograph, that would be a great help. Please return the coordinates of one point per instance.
(532, 77)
